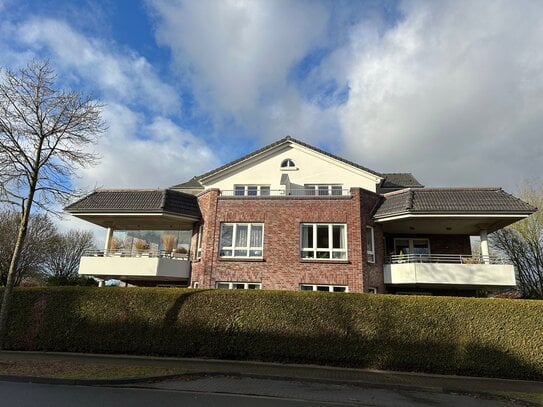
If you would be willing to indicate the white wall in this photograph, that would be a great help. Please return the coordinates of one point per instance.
(438, 273)
(312, 168)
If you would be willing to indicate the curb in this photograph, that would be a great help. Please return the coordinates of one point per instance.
(88, 382)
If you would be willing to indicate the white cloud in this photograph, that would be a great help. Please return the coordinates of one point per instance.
(237, 56)
(122, 75)
(453, 92)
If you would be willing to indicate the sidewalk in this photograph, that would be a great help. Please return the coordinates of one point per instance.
(309, 373)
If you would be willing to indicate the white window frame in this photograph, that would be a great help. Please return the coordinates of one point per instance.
(370, 253)
(231, 285)
(199, 242)
(234, 247)
(287, 167)
(318, 189)
(329, 249)
(372, 290)
(246, 189)
(314, 287)
(411, 245)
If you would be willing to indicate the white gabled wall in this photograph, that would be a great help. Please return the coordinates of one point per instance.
(311, 168)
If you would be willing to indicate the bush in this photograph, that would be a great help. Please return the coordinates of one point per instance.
(484, 337)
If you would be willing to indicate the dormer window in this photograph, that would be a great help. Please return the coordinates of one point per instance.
(288, 164)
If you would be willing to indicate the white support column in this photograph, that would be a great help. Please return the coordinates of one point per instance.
(484, 246)
(109, 236)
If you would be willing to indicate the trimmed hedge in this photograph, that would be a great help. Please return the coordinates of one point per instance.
(482, 337)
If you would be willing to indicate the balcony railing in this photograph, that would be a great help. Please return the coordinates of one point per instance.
(445, 258)
(134, 253)
(295, 192)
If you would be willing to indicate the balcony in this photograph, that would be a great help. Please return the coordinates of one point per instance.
(450, 270)
(292, 192)
(127, 265)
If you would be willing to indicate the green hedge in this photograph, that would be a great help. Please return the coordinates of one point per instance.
(485, 337)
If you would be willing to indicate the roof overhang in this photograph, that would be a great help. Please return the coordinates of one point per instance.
(443, 223)
(138, 220)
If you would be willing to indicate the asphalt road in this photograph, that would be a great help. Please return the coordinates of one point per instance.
(227, 391)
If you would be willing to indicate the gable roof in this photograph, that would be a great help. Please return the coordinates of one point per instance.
(271, 146)
(451, 201)
(192, 183)
(137, 201)
(400, 180)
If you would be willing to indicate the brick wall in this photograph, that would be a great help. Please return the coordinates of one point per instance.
(282, 267)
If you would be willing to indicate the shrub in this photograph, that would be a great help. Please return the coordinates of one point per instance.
(486, 337)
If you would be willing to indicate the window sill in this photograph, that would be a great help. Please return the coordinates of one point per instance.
(325, 261)
(244, 259)
(290, 169)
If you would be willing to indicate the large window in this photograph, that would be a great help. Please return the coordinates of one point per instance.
(226, 285)
(370, 244)
(251, 190)
(324, 241)
(244, 240)
(324, 287)
(411, 246)
(323, 189)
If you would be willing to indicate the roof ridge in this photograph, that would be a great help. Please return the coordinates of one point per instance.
(441, 189)
(410, 199)
(282, 141)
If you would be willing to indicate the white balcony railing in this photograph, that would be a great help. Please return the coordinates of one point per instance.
(296, 192)
(445, 258)
(448, 269)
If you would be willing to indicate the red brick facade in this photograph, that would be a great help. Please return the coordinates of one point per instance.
(282, 267)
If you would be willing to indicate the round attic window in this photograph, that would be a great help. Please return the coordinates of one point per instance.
(288, 163)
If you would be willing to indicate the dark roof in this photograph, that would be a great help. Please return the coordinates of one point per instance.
(134, 200)
(400, 180)
(192, 183)
(277, 143)
(451, 201)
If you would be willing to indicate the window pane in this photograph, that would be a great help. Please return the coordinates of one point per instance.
(339, 289)
(336, 190)
(253, 286)
(339, 255)
(252, 190)
(225, 253)
(421, 247)
(369, 239)
(240, 253)
(241, 235)
(307, 236)
(308, 254)
(226, 235)
(306, 288)
(402, 246)
(238, 286)
(323, 255)
(255, 253)
(323, 288)
(322, 237)
(265, 191)
(256, 236)
(239, 190)
(338, 232)
(223, 285)
(323, 189)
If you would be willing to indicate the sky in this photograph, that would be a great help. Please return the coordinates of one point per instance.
(451, 91)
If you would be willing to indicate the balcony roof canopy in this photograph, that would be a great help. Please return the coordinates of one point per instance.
(450, 210)
(143, 209)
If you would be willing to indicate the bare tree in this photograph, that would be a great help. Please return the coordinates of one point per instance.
(522, 242)
(62, 260)
(40, 236)
(45, 134)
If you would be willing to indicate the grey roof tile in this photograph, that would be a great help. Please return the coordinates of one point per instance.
(400, 180)
(451, 201)
(134, 200)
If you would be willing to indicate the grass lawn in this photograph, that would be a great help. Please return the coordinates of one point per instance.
(81, 370)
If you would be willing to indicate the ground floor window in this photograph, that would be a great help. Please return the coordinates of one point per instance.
(323, 241)
(324, 287)
(227, 285)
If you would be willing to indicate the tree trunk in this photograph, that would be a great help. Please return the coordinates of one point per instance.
(6, 300)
